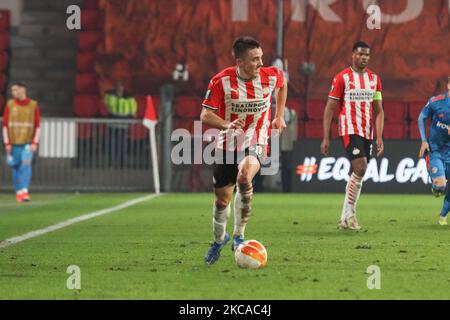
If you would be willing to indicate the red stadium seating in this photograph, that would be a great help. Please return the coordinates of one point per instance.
(2, 105)
(395, 111)
(156, 101)
(188, 107)
(313, 129)
(90, 4)
(415, 108)
(396, 131)
(5, 19)
(89, 40)
(86, 61)
(137, 132)
(184, 123)
(86, 105)
(314, 109)
(3, 81)
(91, 20)
(86, 83)
(298, 106)
(300, 129)
(4, 58)
(85, 131)
(414, 130)
(103, 112)
(4, 40)
(142, 105)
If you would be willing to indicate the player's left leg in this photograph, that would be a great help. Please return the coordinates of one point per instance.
(353, 192)
(26, 172)
(446, 206)
(248, 168)
(224, 179)
(437, 173)
(15, 161)
(359, 151)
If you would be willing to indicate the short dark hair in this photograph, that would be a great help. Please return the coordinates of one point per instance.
(19, 84)
(360, 44)
(242, 44)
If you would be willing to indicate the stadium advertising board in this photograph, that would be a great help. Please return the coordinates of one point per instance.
(398, 170)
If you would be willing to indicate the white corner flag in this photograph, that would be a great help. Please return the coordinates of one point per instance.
(150, 121)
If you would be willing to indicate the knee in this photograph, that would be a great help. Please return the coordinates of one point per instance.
(244, 178)
(26, 163)
(222, 203)
(440, 182)
(439, 187)
(360, 170)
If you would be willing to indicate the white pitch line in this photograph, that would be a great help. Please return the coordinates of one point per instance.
(39, 232)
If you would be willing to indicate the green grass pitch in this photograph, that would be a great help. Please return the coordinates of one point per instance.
(155, 250)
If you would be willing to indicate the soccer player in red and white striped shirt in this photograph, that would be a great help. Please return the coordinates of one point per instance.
(238, 102)
(357, 91)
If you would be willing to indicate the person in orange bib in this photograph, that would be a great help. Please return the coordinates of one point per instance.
(21, 126)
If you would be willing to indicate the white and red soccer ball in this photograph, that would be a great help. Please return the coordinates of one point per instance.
(251, 254)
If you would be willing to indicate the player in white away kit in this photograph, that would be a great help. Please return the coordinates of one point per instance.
(238, 102)
(357, 91)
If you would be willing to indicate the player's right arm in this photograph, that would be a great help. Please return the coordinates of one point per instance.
(336, 93)
(211, 119)
(422, 122)
(214, 102)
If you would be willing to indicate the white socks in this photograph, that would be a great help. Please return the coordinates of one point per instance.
(220, 222)
(352, 193)
(22, 191)
(242, 208)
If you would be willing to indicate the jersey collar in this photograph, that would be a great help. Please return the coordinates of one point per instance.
(358, 71)
(239, 76)
(23, 102)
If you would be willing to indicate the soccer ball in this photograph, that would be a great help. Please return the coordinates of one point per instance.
(251, 254)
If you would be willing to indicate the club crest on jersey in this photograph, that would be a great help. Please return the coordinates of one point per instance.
(434, 170)
(438, 98)
(356, 151)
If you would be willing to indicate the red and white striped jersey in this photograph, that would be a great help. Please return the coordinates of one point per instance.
(232, 98)
(355, 91)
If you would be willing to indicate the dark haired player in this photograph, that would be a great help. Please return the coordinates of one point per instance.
(357, 92)
(238, 103)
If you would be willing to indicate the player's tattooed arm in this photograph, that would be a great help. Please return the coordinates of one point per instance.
(379, 125)
(331, 106)
(211, 119)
